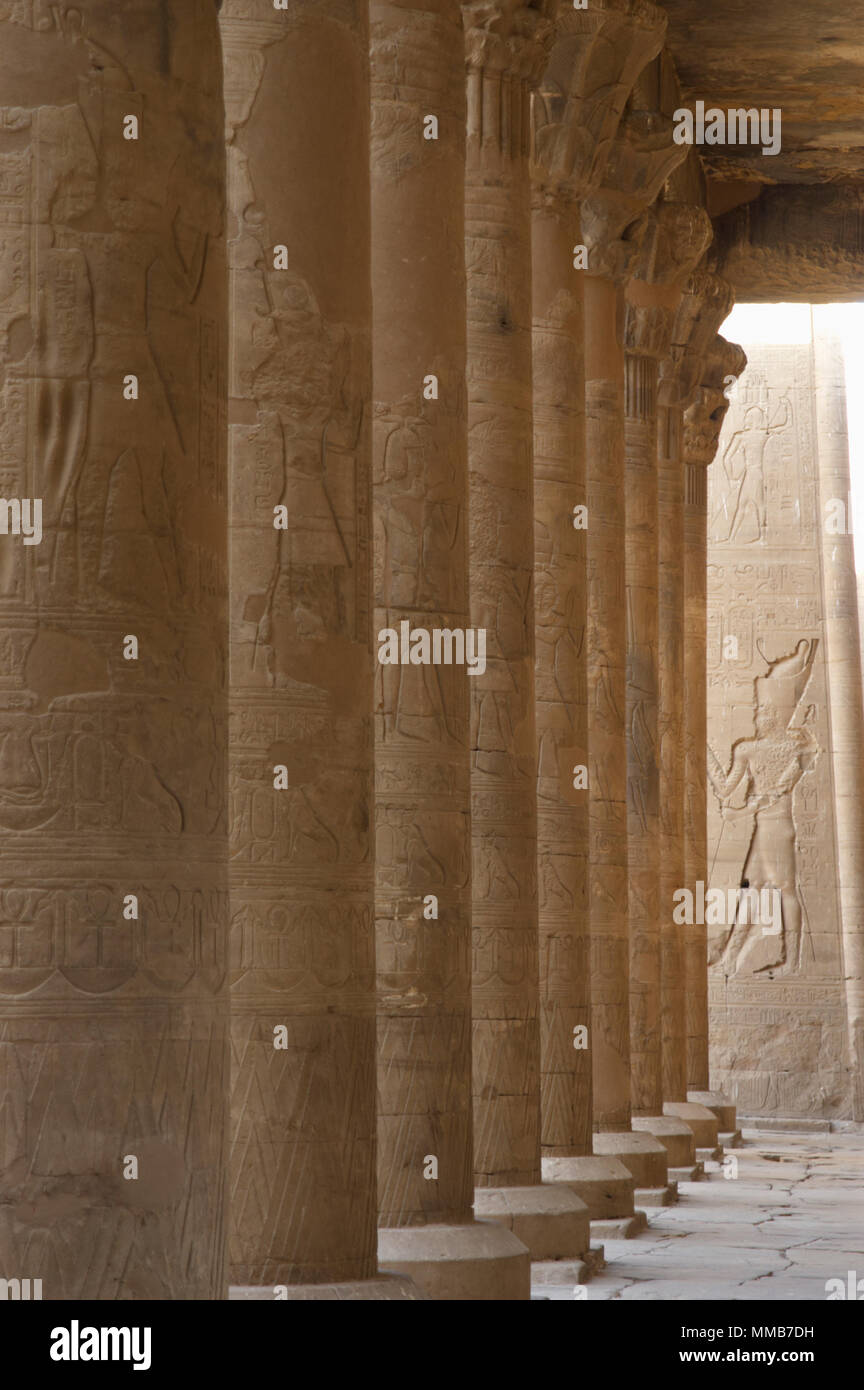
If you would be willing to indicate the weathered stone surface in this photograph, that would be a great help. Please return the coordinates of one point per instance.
(604, 1184)
(480, 1261)
(640, 159)
(642, 1154)
(707, 371)
(795, 243)
(303, 1149)
(674, 238)
(113, 1014)
(422, 758)
(788, 1219)
(549, 1218)
(783, 660)
(803, 58)
(504, 56)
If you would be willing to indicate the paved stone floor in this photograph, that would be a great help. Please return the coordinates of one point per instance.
(789, 1217)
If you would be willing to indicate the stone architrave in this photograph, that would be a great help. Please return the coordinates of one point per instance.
(423, 825)
(784, 743)
(303, 1202)
(113, 1006)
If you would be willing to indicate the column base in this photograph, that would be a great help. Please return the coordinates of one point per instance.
(604, 1184)
(624, 1228)
(732, 1140)
(720, 1105)
(549, 1218)
(675, 1135)
(642, 1154)
(384, 1287)
(692, 1172)
(558, 1272)
(657, 1196)
(701, 1120)
(478, 1261)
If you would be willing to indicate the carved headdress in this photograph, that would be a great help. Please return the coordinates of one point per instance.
(783, 685)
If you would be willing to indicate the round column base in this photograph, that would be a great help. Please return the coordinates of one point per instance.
(604, 1184)
(701, 1120)
(720, 1106)
(480, 1261)
(550, 1219)
(675, 1135)
(642, 1154)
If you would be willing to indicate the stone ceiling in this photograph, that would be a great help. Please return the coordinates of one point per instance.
(804, 56)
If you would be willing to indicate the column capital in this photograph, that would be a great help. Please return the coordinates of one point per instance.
(680, 234)
(509, 36)
(706, 302)
(704, 418)
(675, 236)
(614, 223)
(594, 61)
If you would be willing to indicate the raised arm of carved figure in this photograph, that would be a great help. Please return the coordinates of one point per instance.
(779, 423)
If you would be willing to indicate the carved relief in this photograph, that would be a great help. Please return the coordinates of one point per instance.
(111, 771)
(301, 849)
(772, 831)
(756, 790)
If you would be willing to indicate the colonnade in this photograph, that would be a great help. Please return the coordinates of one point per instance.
(408, 921)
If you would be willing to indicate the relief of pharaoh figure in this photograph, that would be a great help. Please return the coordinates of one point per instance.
(757, 788)
(742, 517)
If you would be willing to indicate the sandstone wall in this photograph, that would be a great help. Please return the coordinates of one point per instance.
(777, 995)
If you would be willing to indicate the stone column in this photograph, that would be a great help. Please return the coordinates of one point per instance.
(670, 730)
(576, 112)
(704, 302)
(303, 985)
(695, 842)
(715, 363)
(423, 825)
(560, 521)
(843, 662)
(502, 68)
(641, 159)
(675, 238)
(112, 803)
(671, 483)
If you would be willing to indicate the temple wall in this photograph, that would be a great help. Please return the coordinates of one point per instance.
(778, 1006)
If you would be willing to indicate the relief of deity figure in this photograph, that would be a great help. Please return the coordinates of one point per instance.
(757, 788)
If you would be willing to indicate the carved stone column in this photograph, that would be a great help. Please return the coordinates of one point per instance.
(576, 112)
(560, 519)
(844, 683)
(641, 159)
(675, 238)
(303, 999)
(670, 718)
(113, 1006)
(680, 388)
(713, 362)
(506, 47)
(423, 826)
(670, 728)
